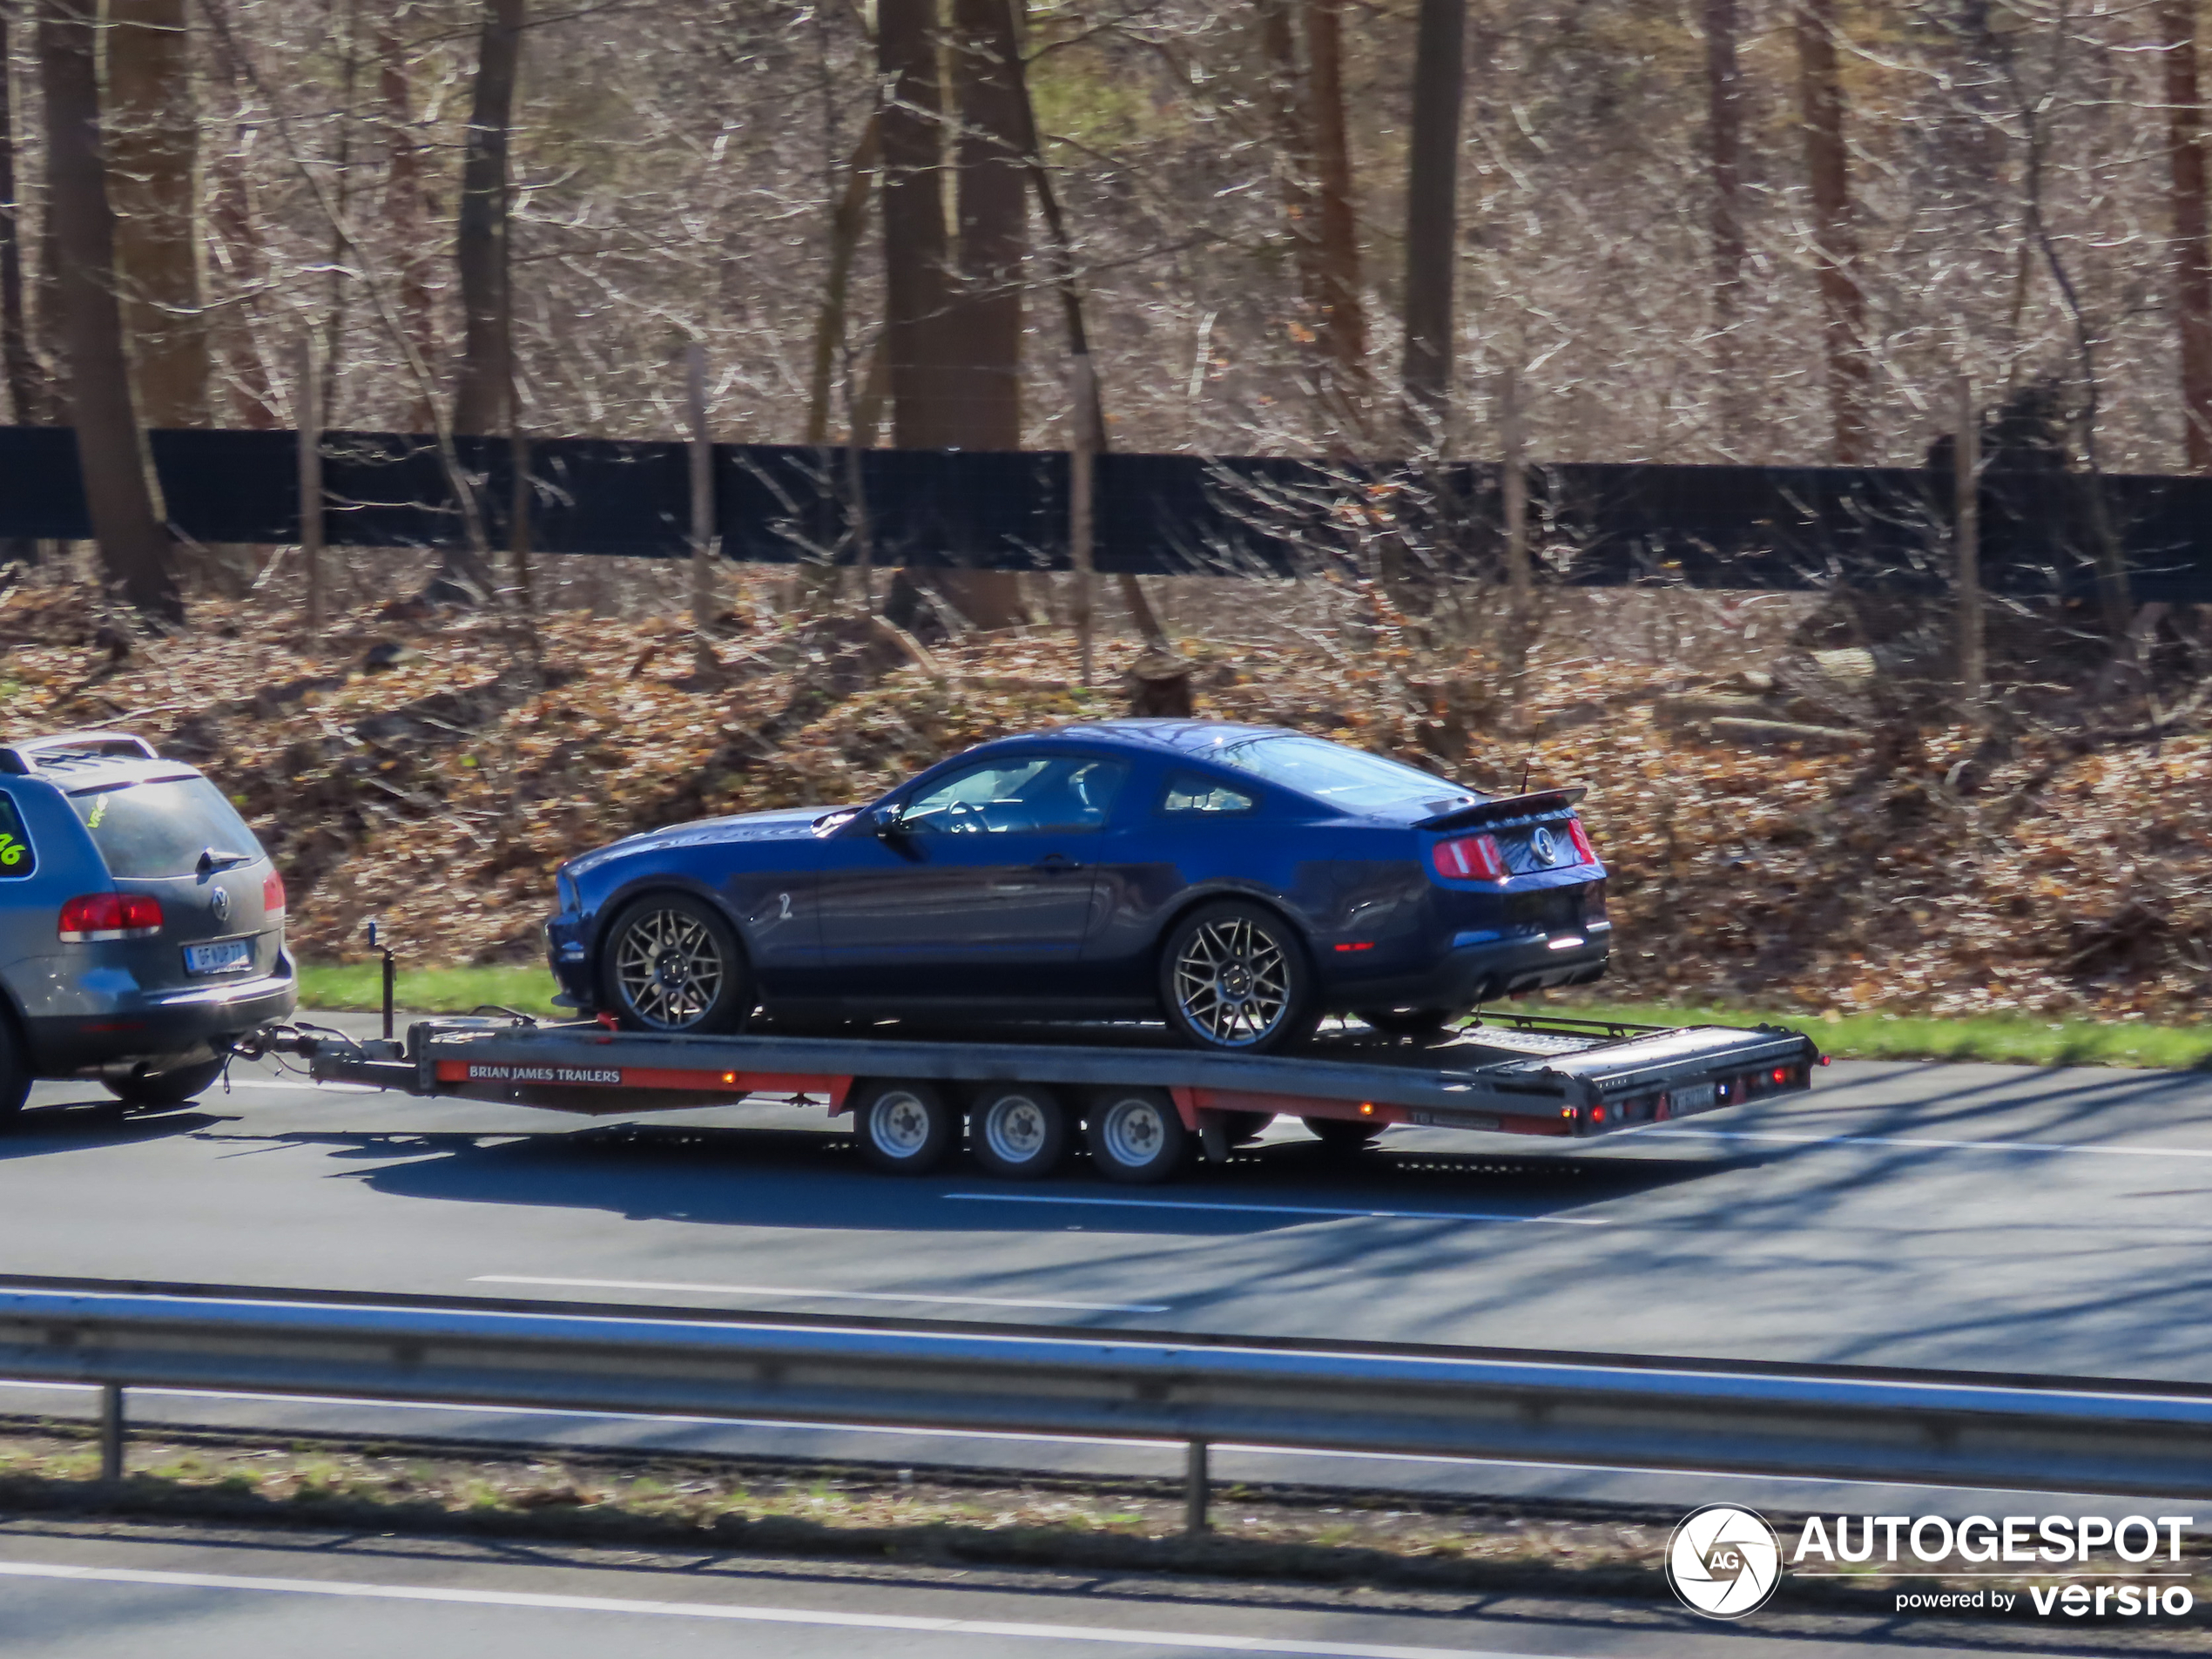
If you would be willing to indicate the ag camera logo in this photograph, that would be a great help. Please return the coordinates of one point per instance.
(1724, 1561)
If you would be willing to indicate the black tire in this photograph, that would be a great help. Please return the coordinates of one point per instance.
(906, 1129)
(1343, 1134)
(166, 1087)
(15, 1072)
(1410, 1022)
(671, 963)
(1018, 1130)
(1137, 1136)
(1241, 1129)
(1235, 979)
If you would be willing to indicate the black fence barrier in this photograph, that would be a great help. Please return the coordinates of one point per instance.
(1600, 525)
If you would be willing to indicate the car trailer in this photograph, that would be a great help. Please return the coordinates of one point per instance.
(1140, 1110)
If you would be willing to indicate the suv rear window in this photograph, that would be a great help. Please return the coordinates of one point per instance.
(150, 831)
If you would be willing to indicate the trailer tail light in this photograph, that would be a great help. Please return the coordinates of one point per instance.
(272, 897)
(1583, 850)
(96, 917)
(1469, 858)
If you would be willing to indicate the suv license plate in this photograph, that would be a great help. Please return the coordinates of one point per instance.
(225, 958)
(1697, 1097)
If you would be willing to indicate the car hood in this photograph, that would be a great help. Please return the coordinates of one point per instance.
(792, 824)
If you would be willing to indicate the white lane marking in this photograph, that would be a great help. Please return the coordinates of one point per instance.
(347, 1587)
(1271, 1209)
(1940, 1146)
(842, 1296)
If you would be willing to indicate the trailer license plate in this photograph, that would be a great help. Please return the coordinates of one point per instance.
(1698, 1097)
(226, 958)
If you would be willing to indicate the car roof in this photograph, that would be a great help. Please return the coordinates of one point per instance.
(80, 760)
(1170, 735)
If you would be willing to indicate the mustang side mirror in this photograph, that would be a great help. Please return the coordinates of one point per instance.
(889, 824)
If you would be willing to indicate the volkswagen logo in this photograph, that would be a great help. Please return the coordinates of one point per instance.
(1724, 1561)
(219, 904)
(1546, 849)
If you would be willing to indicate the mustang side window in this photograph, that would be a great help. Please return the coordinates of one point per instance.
(1059, 793)
(16, 858)
(1189, 792)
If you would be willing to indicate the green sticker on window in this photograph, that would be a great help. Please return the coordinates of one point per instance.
(15, 855)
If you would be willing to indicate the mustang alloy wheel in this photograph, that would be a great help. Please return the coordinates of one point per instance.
(1235, 977)
(671, 964)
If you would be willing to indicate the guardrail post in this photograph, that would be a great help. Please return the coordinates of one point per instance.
(1194, 1487)
(111, 1431)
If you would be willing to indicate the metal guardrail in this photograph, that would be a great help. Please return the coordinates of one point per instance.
(1815, 1423)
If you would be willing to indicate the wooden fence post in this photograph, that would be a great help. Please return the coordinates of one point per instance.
(1966, 514)
(702, 512)
(307, 413)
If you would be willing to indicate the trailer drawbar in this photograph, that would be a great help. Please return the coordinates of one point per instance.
(1141, 1109)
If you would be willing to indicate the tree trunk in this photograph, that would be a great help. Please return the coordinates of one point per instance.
(27, 389)
(1843, 302)
(134, 546)
(1432, 218)
(480, 239)
(153, 145)
(847, 221)
(1724, 142)
(1343, 318)
(983, 319)
(2192, 224)
(403, 207)
(914, 220)
(1287, 114)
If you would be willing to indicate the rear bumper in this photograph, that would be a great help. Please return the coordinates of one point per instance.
(162, 1028)
(1480, 970)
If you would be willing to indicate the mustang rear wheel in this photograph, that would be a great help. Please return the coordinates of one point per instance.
(671, 963)
(1136, 1135)
(1234, 977)
(906, 1129)
(1019, 1131)
(166, 1087)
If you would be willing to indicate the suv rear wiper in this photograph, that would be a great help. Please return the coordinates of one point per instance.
(215, 858)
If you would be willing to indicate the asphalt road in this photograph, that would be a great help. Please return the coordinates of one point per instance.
(90, 1591)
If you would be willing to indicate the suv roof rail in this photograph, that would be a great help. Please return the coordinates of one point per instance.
(24, 757)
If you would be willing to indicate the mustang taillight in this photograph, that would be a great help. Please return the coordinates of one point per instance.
(1574, 833)
(97, 916)
(272, 897)
(1469, 858)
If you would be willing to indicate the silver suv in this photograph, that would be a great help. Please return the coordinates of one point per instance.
(141, 924)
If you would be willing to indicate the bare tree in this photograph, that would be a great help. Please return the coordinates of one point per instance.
(153, 141)
(2191, 255)
(404, 202)
(914, 240)
(1820, 91)
(1724, 151)
(27, 389)
(1432, 217)
(126, 521)
(1344, 317)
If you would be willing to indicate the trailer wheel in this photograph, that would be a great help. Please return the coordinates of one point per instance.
(1343, 1134)
(1137, 1136)
(1018, 1130)
(906, 1129)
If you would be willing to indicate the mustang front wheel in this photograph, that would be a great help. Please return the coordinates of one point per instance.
(1235, 977)
(671, 964)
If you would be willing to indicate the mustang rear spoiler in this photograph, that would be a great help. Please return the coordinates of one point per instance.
(1504, 807)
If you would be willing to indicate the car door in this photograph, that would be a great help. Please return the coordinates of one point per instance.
(979, 889)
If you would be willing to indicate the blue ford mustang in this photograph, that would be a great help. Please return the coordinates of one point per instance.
(1240, 881)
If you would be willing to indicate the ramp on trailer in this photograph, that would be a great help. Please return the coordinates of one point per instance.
(1140, 1106)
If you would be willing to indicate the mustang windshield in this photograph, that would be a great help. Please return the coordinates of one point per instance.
(1341, 776)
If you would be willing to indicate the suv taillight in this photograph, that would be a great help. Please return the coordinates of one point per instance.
(97, 916)
(1574, 833)
(1469, 858)
(272, 897)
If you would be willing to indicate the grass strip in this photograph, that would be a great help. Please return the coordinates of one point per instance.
(2009, 1038)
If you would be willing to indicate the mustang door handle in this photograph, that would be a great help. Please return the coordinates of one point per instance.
(1056, 861)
